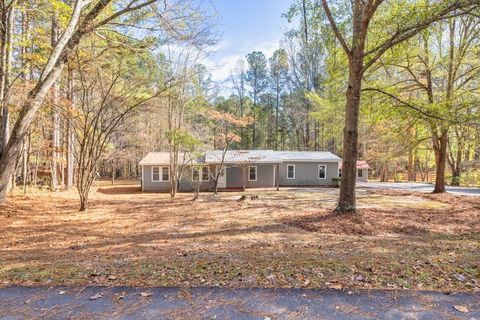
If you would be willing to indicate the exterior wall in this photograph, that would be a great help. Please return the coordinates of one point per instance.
(306, 174)
(264, 176)
(364, 177)
(187, 185)
(164, 186)
(149, 185)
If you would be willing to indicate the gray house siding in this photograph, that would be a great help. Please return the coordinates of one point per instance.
(186, 183)
(306, 170)
(306, 174)
(149, 185)
(363, 176)
(164, 186)
(264, 176)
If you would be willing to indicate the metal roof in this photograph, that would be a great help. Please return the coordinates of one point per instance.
(308, 156)
(163, 158)
(243, 156)
(360, 165)
(471, 164)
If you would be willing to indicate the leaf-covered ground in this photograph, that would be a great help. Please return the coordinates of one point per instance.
(288, 238)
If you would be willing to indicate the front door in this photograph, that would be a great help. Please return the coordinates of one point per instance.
(222, 178)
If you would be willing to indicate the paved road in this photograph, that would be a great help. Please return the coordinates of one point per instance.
(217, 303)
(420, 187)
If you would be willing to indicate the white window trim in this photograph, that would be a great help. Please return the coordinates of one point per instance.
(294, 169)
(256, 173)
(318, 172)
(200, 174)
(208, 174)
(160, 174)
(359, 173)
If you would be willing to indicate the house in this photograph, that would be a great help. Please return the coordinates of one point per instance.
(242, 169)
(473, 164)
(362, 170)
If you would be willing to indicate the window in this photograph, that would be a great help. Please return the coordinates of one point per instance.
(322, 171)
(165, 174)
(205, 174)
(200, 174)
(160, 174)
(291, 171)
(360, 173)
(195, 174)
(252, 173)
(155, 173)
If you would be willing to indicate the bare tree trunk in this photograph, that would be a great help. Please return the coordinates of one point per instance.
(440, 149)
(411, 165)
(113, 175)
(384, 172)
(13, 183)
(83, 200)
(55, 138)
(35, 172)
(6, 28)
(254, 124)
(26, 156)
(307, 135)
(277, 107)
(244, 169)
(70, 134)
(347, 200)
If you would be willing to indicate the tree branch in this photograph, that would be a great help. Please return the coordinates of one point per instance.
(410, 31)
(335, 29)
(406, 104)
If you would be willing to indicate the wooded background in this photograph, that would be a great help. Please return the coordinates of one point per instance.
(132, 79)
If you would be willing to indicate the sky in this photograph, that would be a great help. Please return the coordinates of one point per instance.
(245, 26)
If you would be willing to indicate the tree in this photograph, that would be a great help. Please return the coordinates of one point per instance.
(85, 18)
(7, 9)
(238, 79)
(225, 125)
(182, 102)
(438, 87)
(105, 101)
(278, 74)
(257, 77)
(393, 27)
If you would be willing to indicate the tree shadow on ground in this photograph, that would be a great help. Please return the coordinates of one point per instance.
(121, 190)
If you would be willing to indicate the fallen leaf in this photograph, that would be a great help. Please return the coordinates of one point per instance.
(334, 286)
(145, 294)
(358, 277)
(462, 309)
(96, 296)
(459, 277)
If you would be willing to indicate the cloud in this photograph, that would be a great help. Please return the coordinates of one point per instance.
(222, 64)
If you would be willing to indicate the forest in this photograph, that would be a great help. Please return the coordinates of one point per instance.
(87, 88)
(157, 161)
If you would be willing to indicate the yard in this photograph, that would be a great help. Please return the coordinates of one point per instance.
(287, 238)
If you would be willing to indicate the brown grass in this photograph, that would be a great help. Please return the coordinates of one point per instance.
(284, 239)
